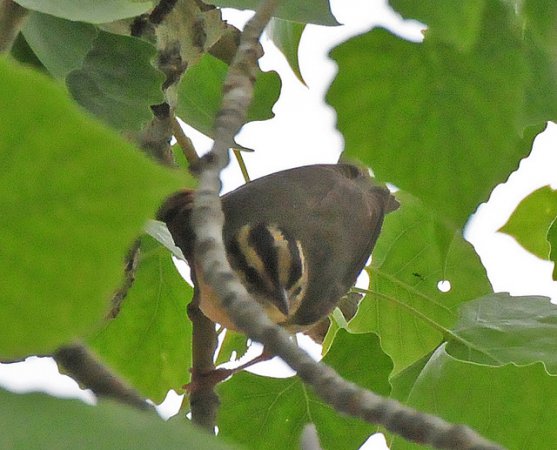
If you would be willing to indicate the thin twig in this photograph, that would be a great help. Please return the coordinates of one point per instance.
(12, 17)
(90, 373)
(185, 143)
(132, 259)
(207, 221)
(242, 164)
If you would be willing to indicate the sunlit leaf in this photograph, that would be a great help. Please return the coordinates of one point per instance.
(74, 195)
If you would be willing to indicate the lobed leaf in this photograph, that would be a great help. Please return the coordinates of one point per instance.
(309, 11)
(200, 94)
(454, 22)
(405, 306)
(436, 122)
(149, 342)
(117, 81)
(286, 36)
(530, 221)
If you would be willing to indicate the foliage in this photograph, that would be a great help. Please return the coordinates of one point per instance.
(445, 120)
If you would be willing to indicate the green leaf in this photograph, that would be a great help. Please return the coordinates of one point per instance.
(93, 11)
(200, 94)
(404, 381)
(234, 344)
(492, 400)
(530, 221)
(453, 22)
(267, 413)
(552, 238)
(499, 329)
(22, 53)
(73, 195)
(60, 44)
(37, 421)
(286, 36)
(541, 89)
(541, 20)
(447, 133)
(149, 342)
(309, 11)
(117, 81)
(405, 306)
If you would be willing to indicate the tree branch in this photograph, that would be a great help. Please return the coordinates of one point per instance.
(12, 17)
(203, 399)
(87, 371)
(207, 221)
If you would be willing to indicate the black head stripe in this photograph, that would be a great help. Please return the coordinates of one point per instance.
(261, 239)
(239, 262)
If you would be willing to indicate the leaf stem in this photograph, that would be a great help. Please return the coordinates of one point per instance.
(185, 143)
(242, 164)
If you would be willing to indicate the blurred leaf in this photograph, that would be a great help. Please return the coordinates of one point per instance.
(450, 132)
(308, 11)
(405, 306)
(286, 36)
(499, 329)
(234, 344)
(453, 22)
(149, 342)
(60, 44)
(117, 81)
(492, 400)
(530, 221)
(73, 195)
(267, 413)
(37, 421)
(200, 94)
(94, 11)
(552, 238)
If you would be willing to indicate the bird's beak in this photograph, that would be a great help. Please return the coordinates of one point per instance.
(281, 300)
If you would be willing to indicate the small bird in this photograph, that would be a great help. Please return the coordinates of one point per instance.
(297, 239)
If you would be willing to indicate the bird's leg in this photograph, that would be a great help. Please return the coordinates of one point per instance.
(212, 378)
